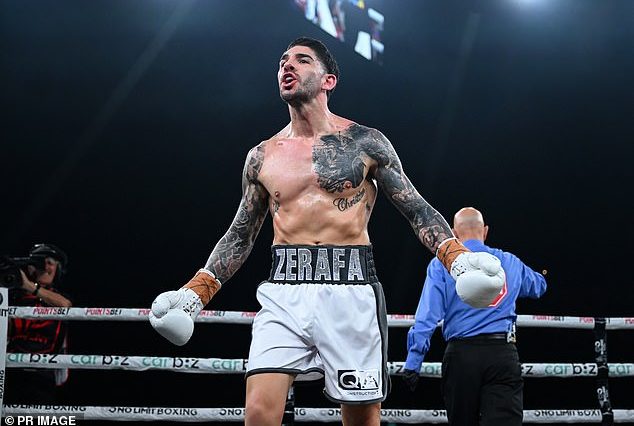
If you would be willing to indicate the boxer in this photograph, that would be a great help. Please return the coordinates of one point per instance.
(323, 311)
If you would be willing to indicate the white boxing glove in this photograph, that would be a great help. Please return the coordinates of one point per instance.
(173, 314)
(479, 278)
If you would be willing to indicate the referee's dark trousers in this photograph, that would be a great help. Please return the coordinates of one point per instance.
(482, 381)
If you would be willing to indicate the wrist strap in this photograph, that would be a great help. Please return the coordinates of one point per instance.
(445, 242)
(205, 285)
(37, 289)
(211, 274)
(448, 250)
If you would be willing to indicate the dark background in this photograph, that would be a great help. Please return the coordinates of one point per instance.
(125, 125)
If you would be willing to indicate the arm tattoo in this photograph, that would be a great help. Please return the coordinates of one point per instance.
(234, 247)
(430, 227)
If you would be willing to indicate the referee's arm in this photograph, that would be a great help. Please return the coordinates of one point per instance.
(431, 309)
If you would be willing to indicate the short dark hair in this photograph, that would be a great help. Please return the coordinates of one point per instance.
(322, 52)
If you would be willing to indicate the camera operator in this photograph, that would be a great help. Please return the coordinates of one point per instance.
(38, 288)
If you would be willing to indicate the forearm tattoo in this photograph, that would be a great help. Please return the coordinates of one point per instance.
(430, 227)
(234, 247)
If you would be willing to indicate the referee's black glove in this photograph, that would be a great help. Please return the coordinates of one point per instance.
(410, 377)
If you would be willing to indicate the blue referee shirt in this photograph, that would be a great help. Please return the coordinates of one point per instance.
(439, 301)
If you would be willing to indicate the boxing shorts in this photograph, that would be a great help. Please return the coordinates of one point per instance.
(323, 315)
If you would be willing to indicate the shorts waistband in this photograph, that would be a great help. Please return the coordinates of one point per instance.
(298, 264)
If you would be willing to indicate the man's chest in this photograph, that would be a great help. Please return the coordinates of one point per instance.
(330, 164)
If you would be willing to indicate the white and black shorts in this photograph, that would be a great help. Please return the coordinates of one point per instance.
(323, 315)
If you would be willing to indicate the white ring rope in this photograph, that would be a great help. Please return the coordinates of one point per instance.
(238, 366)
(237, 317)
(301, 414)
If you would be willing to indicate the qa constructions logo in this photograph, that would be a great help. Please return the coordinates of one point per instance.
(358, 379)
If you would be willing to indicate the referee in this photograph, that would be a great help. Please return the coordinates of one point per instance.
(481, 373)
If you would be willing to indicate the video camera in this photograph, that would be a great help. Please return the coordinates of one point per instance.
(10, 268)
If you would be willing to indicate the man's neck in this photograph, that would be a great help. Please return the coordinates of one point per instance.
(467, 237)
(311, 119)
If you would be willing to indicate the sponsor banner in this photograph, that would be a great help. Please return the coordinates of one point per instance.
(559, 370)
(126, 413)
(575, 370)
(427, 369)
(238, 366)
(50, 310)
(120, 362)
(387, 415)
(433, 369)
(229, 317)
(400, 320)
(301, 414)
(108, 312)
(557, 416)
(121, 314)
(620, 370)
(238, 317)
(620, 323)
(94, 314)
(133, 413)
(555, 321)
(44, 409)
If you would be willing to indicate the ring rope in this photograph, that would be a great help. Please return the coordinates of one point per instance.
(238, 317)
(301, 414)
(601, 370)
(238, 366)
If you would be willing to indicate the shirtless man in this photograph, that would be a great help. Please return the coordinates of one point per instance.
(323, 311)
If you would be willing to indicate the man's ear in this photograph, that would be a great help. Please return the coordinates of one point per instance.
(486, 232)
(330, 81)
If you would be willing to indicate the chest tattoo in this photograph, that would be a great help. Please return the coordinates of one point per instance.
(344, 204)
(338, 163)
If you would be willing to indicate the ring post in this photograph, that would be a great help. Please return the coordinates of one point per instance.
(4, 328)
(601, 356)
(289, 408)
